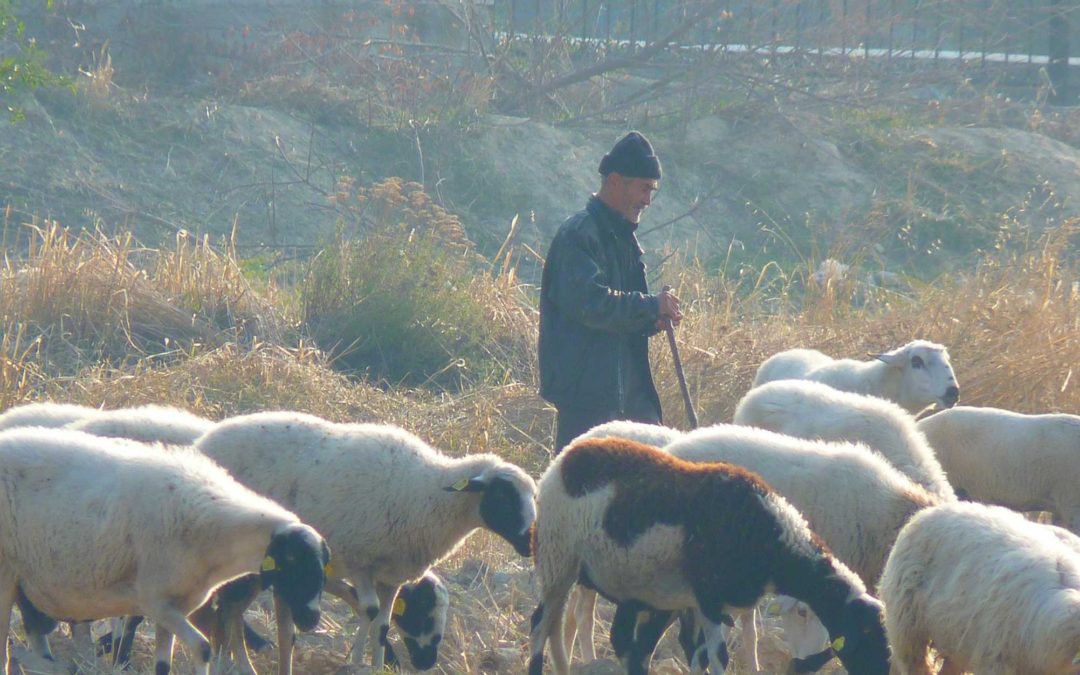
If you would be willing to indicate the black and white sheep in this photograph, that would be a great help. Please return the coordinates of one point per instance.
(851, 496)
(388, 504)
(659, 534)
(995, 593)
(93, 527)
(915, 376)
(1024, 462)
(581, 608)
(807, 409)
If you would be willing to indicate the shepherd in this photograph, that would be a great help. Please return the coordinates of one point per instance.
(596, 313)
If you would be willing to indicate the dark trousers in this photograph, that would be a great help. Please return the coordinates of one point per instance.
(572, 422)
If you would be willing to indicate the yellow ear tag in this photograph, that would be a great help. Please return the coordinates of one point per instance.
(460, 485)
(838, 644)
(268, 564)
(1076, 658)
(399, 607)
(328, 570)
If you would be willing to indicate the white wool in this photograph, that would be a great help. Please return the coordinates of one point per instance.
(994, 592)
(915, 376)
(1024, 462)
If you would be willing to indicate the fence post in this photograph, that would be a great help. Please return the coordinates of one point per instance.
(1058, 63)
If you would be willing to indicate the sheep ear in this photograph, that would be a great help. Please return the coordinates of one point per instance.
(475, 484)
(399, 607)
(267, 572)
(894, 359)
(838, 644)
(1076, 658)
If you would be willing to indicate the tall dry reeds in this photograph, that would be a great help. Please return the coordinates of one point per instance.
(100, 321)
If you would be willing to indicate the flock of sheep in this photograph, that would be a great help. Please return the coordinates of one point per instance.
(825, 491)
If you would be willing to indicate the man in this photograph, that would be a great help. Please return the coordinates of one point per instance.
(596, 313)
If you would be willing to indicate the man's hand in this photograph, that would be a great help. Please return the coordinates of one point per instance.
(669, 309)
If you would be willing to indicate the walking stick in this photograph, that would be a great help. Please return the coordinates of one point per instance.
(670, 329)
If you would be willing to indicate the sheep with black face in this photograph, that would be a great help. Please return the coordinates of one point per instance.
(140, 531)
(389, 505)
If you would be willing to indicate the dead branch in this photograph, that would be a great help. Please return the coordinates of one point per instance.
(619, 62)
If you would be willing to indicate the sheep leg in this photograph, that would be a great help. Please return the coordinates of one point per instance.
(547, 625)
(226, 624)
(163, 649)
(82, 639)
(365, 602)
(380, 627)
(37, 626)
(635, 632)
(748, 639)
(570, 623)
(7, 600)
(286, 635)
(585, 618)
(715, 654)
(173, 622)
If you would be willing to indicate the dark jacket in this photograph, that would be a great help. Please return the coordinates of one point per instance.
(596, 316)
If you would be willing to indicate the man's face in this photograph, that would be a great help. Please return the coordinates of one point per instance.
(631, 196)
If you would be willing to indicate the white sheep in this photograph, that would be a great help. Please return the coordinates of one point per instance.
(148, 424)
(809, 409)
(44, 414)
(1024, 462)
(93, 527)
(658, 534)
(915, 376)
(388, 504)
(419, 612)
(995, 593)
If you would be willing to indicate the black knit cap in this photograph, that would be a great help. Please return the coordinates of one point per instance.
(632, 157)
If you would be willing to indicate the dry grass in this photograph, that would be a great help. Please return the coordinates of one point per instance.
(99, 321)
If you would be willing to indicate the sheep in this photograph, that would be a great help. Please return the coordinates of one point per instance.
(809, 409)
(149, 424)
(389, 505)
(145, 531)
(853, 499)
(1024, 462)
(420, 612)
(851, 496)
(914, 376)
(45, 414)
(659, 534)
(581, 608)
(935, 588)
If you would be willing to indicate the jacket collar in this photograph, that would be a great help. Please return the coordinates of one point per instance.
(611, 219)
